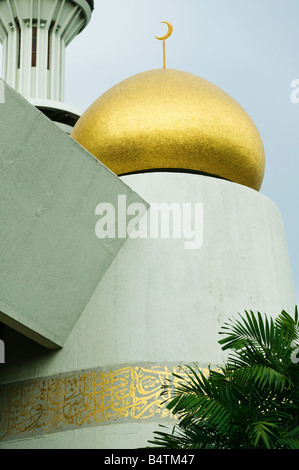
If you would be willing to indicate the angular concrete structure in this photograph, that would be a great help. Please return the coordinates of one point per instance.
(51, 258)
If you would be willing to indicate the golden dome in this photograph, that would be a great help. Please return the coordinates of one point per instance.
(169, 119)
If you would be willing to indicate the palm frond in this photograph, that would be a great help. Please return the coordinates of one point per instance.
(252, 401)
(262, 431)
(289, 325)
(262, 376)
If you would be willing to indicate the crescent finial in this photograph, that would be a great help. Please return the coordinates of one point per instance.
(169, 32)
(163, 38)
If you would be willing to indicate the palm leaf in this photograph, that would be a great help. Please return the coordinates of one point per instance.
(251, 401)
(261, 431)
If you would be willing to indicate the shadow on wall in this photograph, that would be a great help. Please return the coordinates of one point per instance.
(21, 352)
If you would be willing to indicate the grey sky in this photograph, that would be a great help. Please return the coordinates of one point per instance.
(250, 49)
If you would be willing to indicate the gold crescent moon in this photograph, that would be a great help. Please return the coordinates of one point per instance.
(169, 32)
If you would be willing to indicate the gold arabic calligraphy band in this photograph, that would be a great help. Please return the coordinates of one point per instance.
(163, 38)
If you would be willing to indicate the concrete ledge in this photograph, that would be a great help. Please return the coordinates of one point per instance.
(50, 258)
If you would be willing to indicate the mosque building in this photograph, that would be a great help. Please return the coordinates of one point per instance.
(94, 324)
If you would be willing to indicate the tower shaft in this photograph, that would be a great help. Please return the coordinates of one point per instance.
(34, 35)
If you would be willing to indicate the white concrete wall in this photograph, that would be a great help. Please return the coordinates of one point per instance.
(159, 303)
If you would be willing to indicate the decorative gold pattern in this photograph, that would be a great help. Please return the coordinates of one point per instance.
(169, 119)
(81, 399)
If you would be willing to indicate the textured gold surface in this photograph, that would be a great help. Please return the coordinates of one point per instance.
(81, 399)
(169, 119)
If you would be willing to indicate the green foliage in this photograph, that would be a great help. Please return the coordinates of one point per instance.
(251, 402)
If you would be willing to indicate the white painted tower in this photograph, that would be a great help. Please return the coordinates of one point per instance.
(34, 35)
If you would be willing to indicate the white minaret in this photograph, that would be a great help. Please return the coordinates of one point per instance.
(34, 35)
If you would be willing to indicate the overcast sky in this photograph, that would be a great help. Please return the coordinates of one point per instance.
(250, 49)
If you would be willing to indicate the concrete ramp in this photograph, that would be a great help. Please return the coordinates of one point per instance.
(50, 257)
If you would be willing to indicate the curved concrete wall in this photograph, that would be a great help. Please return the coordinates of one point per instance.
(159, 305)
